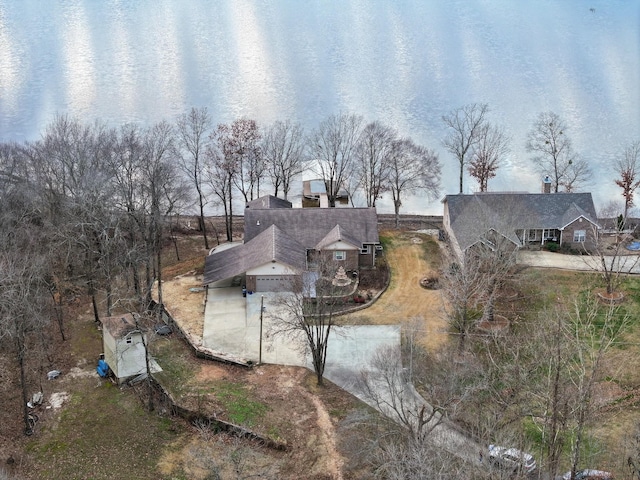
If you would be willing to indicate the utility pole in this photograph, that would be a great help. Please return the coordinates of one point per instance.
(261, 310)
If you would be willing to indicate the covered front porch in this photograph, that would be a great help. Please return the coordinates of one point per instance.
(539, 236)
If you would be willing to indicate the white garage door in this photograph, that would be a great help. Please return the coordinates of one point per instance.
(273, 283)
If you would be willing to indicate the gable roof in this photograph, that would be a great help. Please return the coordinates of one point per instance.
(310, 226)
(271, 245)
(470, 216)
(337, 234)
(269, 201)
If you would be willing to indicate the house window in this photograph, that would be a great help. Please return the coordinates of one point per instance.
(365, 250)
(579, 235)
(533, 235)
(339, 255)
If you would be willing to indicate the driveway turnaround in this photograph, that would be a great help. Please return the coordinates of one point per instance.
(233, 324)
(242, 327)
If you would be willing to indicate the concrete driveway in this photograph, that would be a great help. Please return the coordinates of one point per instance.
(232, 324)
(623, 263)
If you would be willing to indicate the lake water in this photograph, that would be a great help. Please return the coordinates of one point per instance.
(403, 62)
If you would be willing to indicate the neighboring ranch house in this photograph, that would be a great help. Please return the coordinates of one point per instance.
(282, 243)
(123, 346)
(525, 219)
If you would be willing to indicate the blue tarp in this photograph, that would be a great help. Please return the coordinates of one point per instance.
(102, 368)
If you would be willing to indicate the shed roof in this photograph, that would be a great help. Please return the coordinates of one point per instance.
(119, 326)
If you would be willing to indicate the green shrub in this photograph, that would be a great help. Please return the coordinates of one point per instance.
(552, 246)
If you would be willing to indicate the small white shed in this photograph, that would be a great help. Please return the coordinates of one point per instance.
(123, 344)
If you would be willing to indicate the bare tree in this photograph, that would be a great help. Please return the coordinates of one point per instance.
(193, 130)
(283, 149)
(627, 168)
(373, 160)
(419, 424)
(126, 170)
(488, 154)
(386, 384)
(221, 170)
(465, 127)
(242, 144)
(70, 164)
(332, 147)
(412, 168)
(554, 154)
(610, 263)
(23, 293)
(570, 345)
(463, 285)
(164, 192)
(593, 332)
(308, 314)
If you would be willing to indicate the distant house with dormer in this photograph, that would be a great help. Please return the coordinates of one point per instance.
(525, 219)
(281, 243)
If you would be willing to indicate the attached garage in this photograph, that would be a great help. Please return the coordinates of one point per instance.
(274, 283)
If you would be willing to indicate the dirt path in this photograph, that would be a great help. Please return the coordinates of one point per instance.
(327, 442)
(405, 299)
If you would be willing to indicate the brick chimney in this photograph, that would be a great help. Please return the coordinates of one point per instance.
(546, 184)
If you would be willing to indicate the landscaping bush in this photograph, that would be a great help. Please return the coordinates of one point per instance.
(552, 246)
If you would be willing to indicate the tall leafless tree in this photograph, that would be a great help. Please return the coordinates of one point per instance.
(463, 285)
(492, 146)
(283, 149)
(373, 160)
(308, 314)
(412, 168)
(221, 171)
(608, 260)
(192, 134)
(70, 163)
(465, 126)
(164, 192)
(554, 154)
(332, 147)
(628, 168)
(242, 143)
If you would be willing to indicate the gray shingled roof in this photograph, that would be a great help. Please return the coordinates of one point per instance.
(473, 215)
(271, 245)
(309, 226)
(269, 201)
(337, 234)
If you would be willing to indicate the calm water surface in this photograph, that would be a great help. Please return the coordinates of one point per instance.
(405, 63)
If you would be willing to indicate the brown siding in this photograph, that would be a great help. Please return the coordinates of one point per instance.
(567, 234)
(349, 263)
